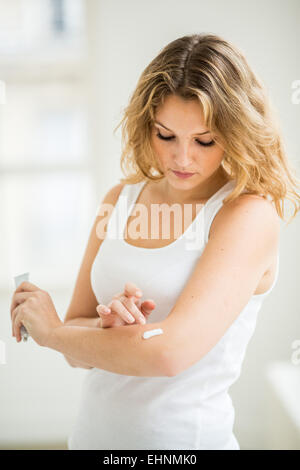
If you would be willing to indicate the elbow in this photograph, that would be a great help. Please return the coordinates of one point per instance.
(158, 365)
(177, 355)
(171, 371)
(174, 367)
(165, 364)
(68, 361)
(168, 357)
(175, 363)
(169, 364)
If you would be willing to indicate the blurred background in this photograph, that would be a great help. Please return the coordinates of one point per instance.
(67, 69)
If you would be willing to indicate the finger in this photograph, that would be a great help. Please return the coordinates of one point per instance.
(131, 289)
(27, 286)
(147, 306)
(103, 309)
(14, 314)
(134, 310)
(17, 325)
(19, 298)
(118, 308)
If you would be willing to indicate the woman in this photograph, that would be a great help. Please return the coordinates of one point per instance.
(200, 138)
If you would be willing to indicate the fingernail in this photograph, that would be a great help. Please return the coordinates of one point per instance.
(142, 320)
(138, 293)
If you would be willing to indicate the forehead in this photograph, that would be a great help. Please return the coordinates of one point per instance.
(175, 102)
(180, 114)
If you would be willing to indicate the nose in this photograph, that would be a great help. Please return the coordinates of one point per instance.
(183, 159)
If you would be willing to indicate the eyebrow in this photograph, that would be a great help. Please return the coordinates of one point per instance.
(197, 133)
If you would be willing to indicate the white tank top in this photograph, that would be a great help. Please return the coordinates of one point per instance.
(191, 410)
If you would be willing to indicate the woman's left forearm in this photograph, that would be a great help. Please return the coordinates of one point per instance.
(121, 350)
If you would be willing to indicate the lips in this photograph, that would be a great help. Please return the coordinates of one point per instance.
(182, 175)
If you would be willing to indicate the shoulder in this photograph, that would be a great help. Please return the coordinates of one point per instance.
(113, 194)
(105, 209)
(247, 211)
(250, 224)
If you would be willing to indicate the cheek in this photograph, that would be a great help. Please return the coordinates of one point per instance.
(159, 149)
(156, 144)
(212, 158)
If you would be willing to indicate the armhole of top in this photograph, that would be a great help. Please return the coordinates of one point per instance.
(212, 212)
(273, 283)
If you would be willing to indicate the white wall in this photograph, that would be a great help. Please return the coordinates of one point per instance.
(125, 36)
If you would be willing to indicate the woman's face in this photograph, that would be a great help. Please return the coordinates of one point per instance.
(188, 147)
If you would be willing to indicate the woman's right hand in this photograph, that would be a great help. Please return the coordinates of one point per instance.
(126, 308)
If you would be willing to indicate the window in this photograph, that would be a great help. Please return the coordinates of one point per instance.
(46, 176)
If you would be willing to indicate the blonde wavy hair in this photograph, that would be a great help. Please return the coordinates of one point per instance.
(236, 109)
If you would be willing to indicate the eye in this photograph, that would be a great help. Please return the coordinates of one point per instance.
(204, 144)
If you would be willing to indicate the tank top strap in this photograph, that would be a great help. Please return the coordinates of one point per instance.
(214, 205)
(122, 210)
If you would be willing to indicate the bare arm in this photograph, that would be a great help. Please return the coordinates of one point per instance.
(119, 350)
(81, 321)
(82, 308)
(238, 253)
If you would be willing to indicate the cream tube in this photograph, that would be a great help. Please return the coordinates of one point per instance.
(18, 280)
